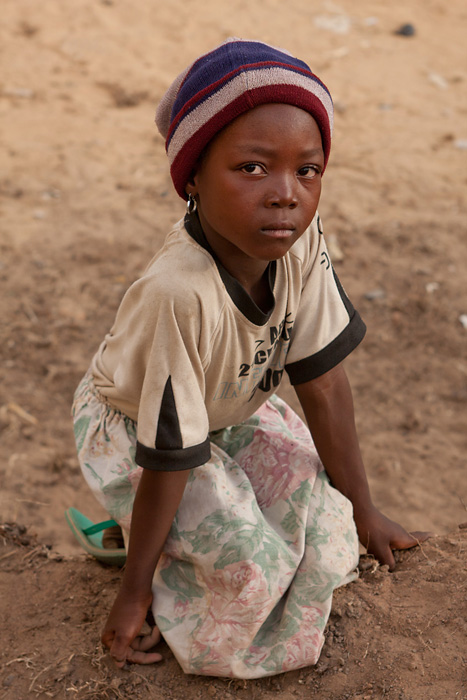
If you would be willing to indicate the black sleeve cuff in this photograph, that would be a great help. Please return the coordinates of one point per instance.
(173, 460)
(315, 365)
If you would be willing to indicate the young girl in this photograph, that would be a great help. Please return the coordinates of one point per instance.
(237, 537)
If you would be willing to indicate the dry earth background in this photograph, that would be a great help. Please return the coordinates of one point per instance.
(86, 199)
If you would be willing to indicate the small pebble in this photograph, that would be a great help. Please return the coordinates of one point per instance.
(366, 564)
(335, 251)
(370, 21)
(406, 30)
(375, 294)
(463, 320)
(24, 93)
(438, 80)
(47, 195)
(8, 680)
(339, 24)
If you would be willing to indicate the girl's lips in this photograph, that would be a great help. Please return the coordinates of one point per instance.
(278, 231)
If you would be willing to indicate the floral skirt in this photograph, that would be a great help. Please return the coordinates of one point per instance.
(261, 539)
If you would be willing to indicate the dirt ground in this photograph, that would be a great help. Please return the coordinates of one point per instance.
(85, 200)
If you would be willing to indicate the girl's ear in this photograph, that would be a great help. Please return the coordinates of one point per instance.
(191, 186)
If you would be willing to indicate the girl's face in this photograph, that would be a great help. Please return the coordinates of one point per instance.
(258, 186)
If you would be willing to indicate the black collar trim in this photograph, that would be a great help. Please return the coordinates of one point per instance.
(237, 293)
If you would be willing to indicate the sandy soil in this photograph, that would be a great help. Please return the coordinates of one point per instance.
(85, 199)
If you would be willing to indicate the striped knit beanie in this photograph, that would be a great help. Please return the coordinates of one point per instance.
(223, 84)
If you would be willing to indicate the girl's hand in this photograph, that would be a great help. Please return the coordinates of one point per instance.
(157, 498)
(380, 536)
(121, 632)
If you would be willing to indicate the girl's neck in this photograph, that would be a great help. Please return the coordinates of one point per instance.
(253, 275)
(261, 293)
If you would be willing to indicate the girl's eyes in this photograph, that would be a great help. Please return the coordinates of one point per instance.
(307, 171)
(253, 169)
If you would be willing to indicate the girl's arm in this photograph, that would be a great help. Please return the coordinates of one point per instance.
(328, 407)
(156, 503)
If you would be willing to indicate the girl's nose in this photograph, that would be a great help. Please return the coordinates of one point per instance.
(282, 193)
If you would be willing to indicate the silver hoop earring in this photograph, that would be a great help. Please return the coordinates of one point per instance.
(191, 205)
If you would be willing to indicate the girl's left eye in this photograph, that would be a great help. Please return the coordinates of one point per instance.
(309, 171)
(253, 168)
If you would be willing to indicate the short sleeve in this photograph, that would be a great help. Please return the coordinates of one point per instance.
(327, 327)
(172, 419)
(155, 367)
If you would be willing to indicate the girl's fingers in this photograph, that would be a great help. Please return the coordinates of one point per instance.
(147, 641)
(420, 537)
(107, 638)
(119, 650)
(387, 557)
(142, 657)
(136, 652)
(411, 539)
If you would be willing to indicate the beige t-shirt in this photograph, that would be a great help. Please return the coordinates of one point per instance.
(190, 351)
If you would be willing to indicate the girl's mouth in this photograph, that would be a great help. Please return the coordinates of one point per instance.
(279, 231)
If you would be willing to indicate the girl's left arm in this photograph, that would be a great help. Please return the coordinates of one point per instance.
(328, 407)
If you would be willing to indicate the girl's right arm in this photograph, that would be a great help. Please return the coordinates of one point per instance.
(156, 503)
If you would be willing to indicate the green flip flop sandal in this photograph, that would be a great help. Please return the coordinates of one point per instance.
(89, 535)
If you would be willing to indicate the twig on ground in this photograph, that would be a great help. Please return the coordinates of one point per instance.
(24, 658)
(21, 413)
(8, 554)
(35, 503)
(37, 676)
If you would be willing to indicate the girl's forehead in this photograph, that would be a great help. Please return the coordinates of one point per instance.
(282, 122)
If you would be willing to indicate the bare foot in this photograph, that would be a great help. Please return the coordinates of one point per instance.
(112, 538)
